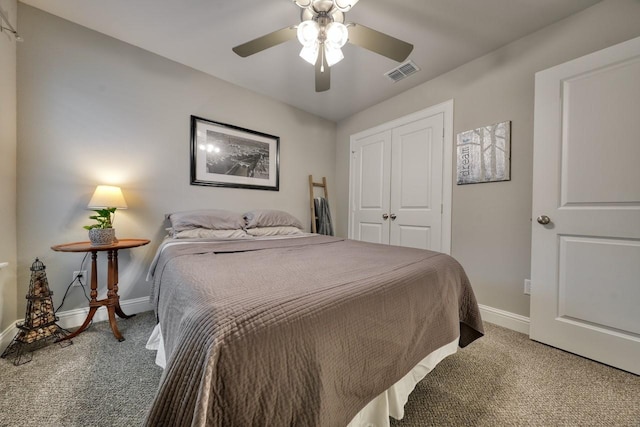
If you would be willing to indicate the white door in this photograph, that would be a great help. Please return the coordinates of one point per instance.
(585, 265)
(397, 184)
(416, 184)
(371, 184)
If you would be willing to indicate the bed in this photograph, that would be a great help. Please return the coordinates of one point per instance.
(299, 329)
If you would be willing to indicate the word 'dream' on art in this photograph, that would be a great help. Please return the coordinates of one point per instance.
(484, 154)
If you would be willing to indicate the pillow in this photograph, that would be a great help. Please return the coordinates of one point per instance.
(270, 218)
(205, 233)
(273, 231)
(213, 219)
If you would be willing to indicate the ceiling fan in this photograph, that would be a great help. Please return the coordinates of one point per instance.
(322, 33)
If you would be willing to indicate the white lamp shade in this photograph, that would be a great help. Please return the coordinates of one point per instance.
(310, 53)
(308, 32)
(337, 34)
(302, 3)
(333, 55)
(107, 196)
(345, 5)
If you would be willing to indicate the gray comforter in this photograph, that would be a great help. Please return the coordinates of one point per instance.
(298, 332)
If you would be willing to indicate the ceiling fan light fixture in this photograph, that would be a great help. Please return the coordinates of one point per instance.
(333, 55)
(337, 34)
(310, 53)
(308, 32)
(344, 5)
(322, 31)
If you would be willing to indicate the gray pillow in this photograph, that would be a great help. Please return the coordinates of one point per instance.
(206, 233)
(212, 219)
(271, 218)
(273, 231)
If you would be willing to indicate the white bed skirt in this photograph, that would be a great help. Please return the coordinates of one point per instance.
(377, 412)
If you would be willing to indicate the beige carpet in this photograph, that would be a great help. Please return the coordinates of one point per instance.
(502, 379)
(505, 379)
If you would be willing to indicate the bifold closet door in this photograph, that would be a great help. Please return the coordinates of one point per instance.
(397, 185)
(416, 184)
(371, 185)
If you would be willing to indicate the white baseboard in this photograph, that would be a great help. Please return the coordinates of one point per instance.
(74, 318)
(505, 319)
(7, 335)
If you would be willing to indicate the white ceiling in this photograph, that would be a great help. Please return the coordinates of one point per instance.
(201, 33)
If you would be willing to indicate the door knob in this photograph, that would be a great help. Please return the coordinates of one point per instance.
(543, 219)
(385, 216)
(393, 216)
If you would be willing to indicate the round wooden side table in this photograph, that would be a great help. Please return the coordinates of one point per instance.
(112, 302)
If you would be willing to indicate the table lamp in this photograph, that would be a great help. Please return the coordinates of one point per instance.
(107, 196)
(105, 200)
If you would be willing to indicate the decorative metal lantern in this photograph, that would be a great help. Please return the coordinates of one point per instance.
(39, 327)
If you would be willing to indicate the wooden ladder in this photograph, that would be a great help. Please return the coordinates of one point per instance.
(312, 206)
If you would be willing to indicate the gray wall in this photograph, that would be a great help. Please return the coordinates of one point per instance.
(491, 223)
(95, 110)
(8, 251)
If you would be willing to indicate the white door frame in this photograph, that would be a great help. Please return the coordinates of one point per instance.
(446, 108)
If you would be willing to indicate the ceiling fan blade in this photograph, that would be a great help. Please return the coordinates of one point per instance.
(323, 74)
(378, 42)
(265, 42)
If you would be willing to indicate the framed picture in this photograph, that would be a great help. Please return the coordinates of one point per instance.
(224, 155)
(484, 154)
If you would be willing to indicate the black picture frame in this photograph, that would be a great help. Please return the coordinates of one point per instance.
(224, 155)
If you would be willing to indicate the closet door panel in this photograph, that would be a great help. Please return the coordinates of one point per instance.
(416, 184)
(371, 188)
(414, 237)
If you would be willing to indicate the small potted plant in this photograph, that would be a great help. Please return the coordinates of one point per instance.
(102, 233)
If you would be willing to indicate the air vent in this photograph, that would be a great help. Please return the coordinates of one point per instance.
(402, 71)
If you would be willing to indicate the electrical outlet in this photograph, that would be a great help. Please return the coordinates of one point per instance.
(527, 286)
(82, 274)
